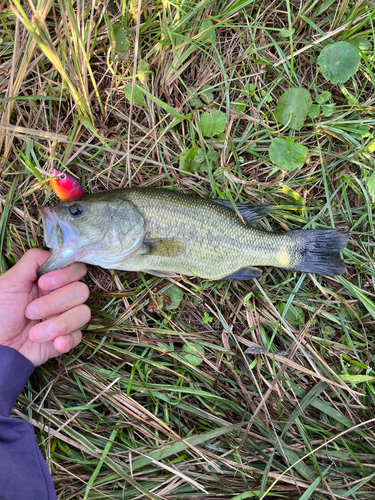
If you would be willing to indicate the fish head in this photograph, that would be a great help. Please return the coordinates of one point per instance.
(95, 231)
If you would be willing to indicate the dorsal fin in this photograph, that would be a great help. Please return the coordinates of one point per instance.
(250, 213)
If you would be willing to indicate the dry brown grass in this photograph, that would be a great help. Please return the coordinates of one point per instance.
(125, 415)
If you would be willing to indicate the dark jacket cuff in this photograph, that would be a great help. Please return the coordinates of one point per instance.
(15, 370)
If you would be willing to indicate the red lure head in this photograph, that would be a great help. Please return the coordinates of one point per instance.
(65, 186)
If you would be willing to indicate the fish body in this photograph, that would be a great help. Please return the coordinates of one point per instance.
(66, 186)
(167, 233)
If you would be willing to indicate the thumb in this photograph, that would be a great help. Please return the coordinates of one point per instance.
(27, 267)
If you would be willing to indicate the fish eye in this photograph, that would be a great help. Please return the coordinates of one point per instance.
(62, 177)
(76, 209)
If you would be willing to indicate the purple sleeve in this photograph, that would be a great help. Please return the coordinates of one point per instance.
(23, 471)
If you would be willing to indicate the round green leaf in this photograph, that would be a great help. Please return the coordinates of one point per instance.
(339, 61)
(292, 108)
(196, 103)
(122, 43)
(191, 159)
(285, 33)
(314, 111)
(176, 295)
(207, 318)
(323, 97)
(143, 71)
(294, 315)
(328, 109)
(361, 131)
(269, 98)
(190, 355)
(213, 122)
(362, 43)
(287, 154)
(138, 97)
(206, 95)
(208, 34)
(238, 106)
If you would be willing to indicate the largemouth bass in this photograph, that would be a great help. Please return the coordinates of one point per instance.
(167, 233)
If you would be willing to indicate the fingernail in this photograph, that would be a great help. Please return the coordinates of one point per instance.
(42, 333)
(48, 282)
(32, 311)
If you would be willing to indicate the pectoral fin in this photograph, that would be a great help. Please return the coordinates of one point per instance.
(250, 213)
(162, 248)
(243, 274)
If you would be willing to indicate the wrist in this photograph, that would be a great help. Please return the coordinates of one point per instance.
(15, 369)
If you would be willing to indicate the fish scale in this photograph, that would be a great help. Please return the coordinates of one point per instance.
(171, 233)
(226, 243)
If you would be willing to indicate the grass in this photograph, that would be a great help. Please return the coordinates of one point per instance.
(126, 415)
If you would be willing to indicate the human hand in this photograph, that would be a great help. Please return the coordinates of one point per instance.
(41, 318)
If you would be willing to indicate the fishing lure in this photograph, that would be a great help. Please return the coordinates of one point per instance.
(65, 186)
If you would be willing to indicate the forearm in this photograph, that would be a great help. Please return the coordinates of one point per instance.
(24, 473)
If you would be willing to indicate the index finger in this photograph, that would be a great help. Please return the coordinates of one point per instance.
(61, 277)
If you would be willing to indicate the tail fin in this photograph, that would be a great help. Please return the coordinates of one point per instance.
(321, 251)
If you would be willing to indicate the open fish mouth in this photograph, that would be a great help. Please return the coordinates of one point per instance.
(51, 227)
(61, 237)
(57, 232)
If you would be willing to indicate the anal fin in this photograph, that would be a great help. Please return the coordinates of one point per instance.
(243, 274)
